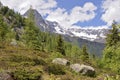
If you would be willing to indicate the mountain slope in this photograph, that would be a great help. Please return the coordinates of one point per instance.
(91, 34)
(93, 38)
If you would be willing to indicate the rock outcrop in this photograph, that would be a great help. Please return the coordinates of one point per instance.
(61, 61)
(83, 69)
(75, 67)
(5, 76)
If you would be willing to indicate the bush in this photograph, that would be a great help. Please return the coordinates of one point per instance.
(39, 61)
(19, 58)
(112, 77)
(55, 69)
(24, 74)
(26, 64)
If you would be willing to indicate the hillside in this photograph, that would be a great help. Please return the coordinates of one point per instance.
(27, 53)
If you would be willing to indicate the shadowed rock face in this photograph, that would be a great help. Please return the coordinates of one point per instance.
(61, 61)
(83, 69)
(43, 24)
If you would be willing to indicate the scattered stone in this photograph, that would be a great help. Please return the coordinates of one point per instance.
(83, 69)
(87, 70)
(61, 61)
(5, 76)
(75, 67)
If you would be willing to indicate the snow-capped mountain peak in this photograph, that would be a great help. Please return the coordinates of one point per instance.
(92, 34)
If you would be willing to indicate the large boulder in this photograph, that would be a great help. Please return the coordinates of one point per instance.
(83, 69)
(5, 76)
(61, 61)
(75, 67)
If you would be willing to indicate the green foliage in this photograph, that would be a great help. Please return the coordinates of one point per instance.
(84, 55)
(111, 54)
(55, 69)
(93, 47)
(113, 37)
(4, 10)
(112, 77)
(55, 55)
(9, 24)
(25, 74)
(60, 45)
(39, 61)
(26, 32)
(31, 35)
(111, 59)
(3, 29)
(19, 58)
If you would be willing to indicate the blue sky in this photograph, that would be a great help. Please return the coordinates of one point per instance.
(72, 13)
(69, 4)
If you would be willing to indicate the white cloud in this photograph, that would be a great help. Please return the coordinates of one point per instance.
(61, 15)
(43, 6)
(111, 9)
(77, 14)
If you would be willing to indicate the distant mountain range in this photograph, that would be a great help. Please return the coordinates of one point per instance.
(91, 34)
(94, 38)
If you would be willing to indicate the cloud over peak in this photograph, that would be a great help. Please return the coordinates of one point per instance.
(43, 6)
(77, 14)
(111, 9)
(68, 18)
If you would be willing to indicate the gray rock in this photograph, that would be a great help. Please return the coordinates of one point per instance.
(5, 76)
(87, 70)
(75, 67)
(83, 69)
(61, 61)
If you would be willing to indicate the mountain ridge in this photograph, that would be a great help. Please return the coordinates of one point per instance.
(74, 35)
(91, 34)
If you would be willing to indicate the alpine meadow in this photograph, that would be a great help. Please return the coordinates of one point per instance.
(47, 42)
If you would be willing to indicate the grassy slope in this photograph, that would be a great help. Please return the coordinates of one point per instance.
(15, 58)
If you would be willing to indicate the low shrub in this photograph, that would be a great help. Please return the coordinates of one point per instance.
(24, 74)
(19, 58)
(112, 77)
(39, 61)
(55, 69)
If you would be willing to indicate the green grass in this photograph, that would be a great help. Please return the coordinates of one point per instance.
(27, 64)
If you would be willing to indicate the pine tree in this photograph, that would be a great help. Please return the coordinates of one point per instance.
(113, 37)
(3, 29)
(85, 55)
(60, 45)
(111, 54)
(31, 34)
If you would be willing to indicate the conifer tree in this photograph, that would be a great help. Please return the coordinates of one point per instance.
(85, 55)
(31, 34)
(111, 53)
(3, 29)
(113, 37)
(60, 45)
